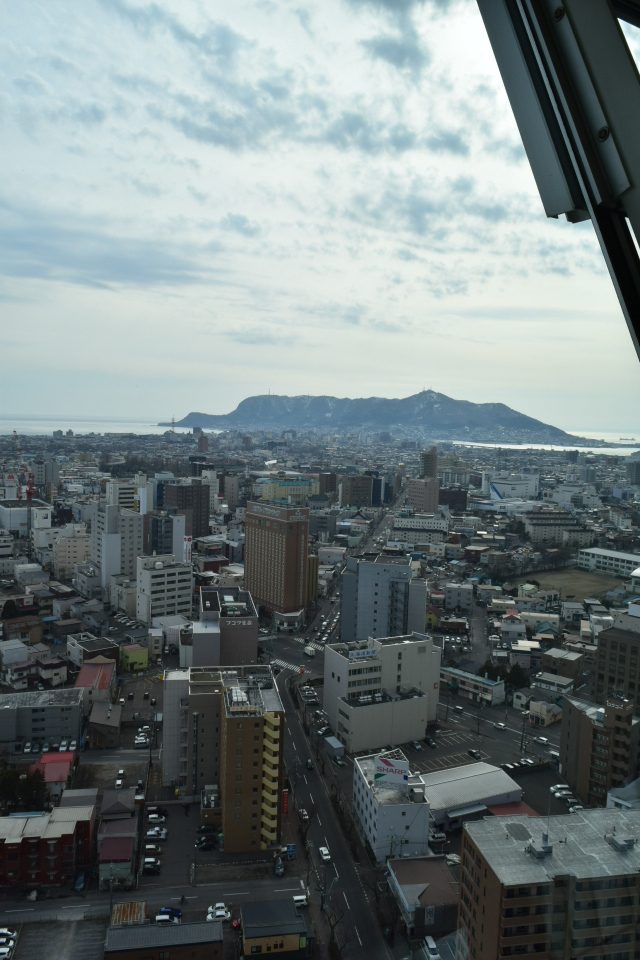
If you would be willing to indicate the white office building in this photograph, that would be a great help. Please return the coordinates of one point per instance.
(392, 816)
(116, 542)
(381, 691)
(458, 596)
(612, 562)
(163, 587)
(381, 598)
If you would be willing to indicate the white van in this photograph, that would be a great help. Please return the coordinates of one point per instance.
(430, 949)
(300, 901)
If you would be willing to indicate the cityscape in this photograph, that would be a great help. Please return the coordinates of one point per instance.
(320, 480)
(292, 687)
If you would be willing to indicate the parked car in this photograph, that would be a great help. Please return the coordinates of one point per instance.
(430, 742)
(73, 746)
(45, 748)
(157, 833)
(171, 911)
(27, 747)
(137, 715)
(118, 784)
(205, 844)
(64, 746)
(121, 701)
(145, 695)
(325, 856)
(155, 809)
(156, 818)
(151, 869)
(416, 745)
(141, 744)
(164, 918)
(458, 708)
(218, 912)
(80, 881)
(430, 949)
(35, 748)
(475, 754)
(340, 762)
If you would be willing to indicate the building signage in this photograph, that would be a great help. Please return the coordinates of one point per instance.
(390, 771)
(362, 654)
(186, 551)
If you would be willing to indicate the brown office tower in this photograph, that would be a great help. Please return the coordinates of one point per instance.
(429, 463)
(328, 482)
(192, 500)
(598, 747)
(356, 491)
(276, 550)
(422, 495)
(560, 888)
(226, 727)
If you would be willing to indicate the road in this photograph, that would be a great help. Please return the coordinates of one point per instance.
(347, 893)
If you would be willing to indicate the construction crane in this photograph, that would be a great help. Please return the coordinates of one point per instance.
(574, 90)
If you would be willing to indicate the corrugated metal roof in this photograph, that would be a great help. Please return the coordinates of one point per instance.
(116, 850)
(151, 935)
(471, 784)
(265, 918)
(130, 911)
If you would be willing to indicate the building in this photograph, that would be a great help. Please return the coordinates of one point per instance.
(191, 500)
(276, 551)
(163, 587)
(103, 728)
(458, 596)
(617, 662)
(97, 680)
(422, 495)
(66, 552)
(161, 941)
(123, 493)
(543, 714)
(611, 562)
(381, 691)
(41, 715)
(429, 461)
(84, 646)
(295, 491)
(227, 727)
(553, 684)
(116, 541)
(549, 526)
(459, 793)
(598, 747)
(163, 533)
(566, 663)
(45, 849)
(421, 528)
(426, 891)
(56, 768)
(471, 687)
(134, 656)
(278, 926)
(227, 631)
(356, 491)
(391, 816)
(550, 887)
(381, 598)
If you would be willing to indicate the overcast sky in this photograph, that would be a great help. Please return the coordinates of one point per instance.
(204, 201)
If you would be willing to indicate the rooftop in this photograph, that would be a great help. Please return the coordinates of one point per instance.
(151, 936)
(469, 784)
(452, 671)
(96, 674)
(60, 821)
(41, 698)
(585, 845)
(267, 918)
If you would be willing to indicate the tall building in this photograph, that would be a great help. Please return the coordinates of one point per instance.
(356, 491)
(598, 747)
(422, 495)
(124, 493)
(163, 587)
(562, 888)
(164, 532)
(192, 500)
(276, 550)
(429, 460)
(381, 691)
(328, 482)
(633, 471)
(617, 659)
(116, 540)
(226, 727)
(232, 491)
(381, 598)
(226, 632)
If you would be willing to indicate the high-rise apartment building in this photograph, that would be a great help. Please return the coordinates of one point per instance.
(429, 460)
(124, 493)
(116, 540)
(164, 532)
(276, 551)
(617, 659)
(598, 747)
(422, 495)
(226, 632)
(561, 888)
(163, 588)
(226, 727)
(381, 598)
(192, 500)
(356, 491)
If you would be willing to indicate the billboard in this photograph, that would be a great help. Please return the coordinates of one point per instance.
(186, 553)
(390, 771)
(364, 654)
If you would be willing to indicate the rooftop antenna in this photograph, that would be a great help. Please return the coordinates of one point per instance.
(173, 424)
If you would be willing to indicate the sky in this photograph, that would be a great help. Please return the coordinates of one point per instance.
(202, 202)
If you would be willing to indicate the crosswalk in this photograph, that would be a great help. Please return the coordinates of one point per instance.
(309, 643)
(287, 666)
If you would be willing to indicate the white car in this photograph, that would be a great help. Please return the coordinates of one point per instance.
(325, 856)
(500, 726)
(73, 746)
(156, 818)
(118, 784)
(575, 808)
(218, 912)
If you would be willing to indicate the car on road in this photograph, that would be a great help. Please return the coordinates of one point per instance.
(340, 762)
(325, 856)
(416, 745)
(141, 744)
(153, 701)
(165, 919)
(437, 836)
(130, 696)
(157, 833)
(156, 818)
(145, 695)
(475, 754)
(309, 764)
(218, 912)
(171, 911)
(458, 708)
(121, 701)
(542, 740)
(430, 742)
(500, 726)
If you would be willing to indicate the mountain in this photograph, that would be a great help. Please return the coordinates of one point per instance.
(428, 414)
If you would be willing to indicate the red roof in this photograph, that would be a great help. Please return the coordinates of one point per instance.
(55, 758)
(56, 772)
(512, 810)
(116, 850)
(98, 676)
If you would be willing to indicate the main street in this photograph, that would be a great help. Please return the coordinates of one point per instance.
(346, 893)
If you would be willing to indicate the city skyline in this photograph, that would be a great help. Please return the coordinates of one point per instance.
(336, 200)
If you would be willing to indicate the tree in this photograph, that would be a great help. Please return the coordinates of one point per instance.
(517, 678)
(339, 938)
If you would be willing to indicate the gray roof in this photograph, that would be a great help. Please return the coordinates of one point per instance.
(472, 783)
(41, 698)
(150, 935)
(267, 918)
(582, 845)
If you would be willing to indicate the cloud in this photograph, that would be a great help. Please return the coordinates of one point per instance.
(448, 141)
(403, 52)
(238, 223)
